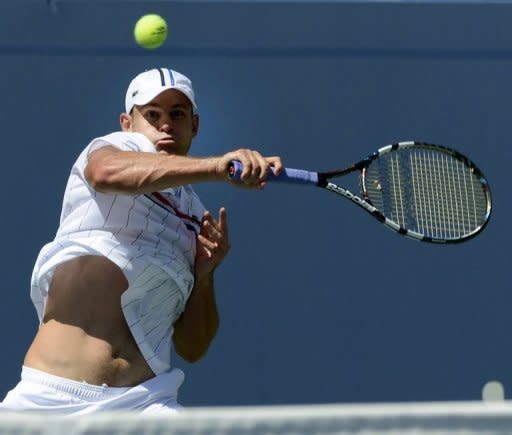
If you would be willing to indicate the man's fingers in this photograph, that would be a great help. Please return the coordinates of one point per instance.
(277, 165)
(223, 221)
(216, 231)
(208, 245)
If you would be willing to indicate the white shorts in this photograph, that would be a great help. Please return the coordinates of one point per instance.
(40, 391)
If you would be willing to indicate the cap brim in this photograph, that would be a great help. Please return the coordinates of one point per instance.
(146, 97)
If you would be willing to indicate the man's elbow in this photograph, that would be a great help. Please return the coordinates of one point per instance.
(192, 356)
(195, 349)
(105, 178)
(99, 178)
(102, 171)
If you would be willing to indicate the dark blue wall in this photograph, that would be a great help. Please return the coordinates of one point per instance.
(318, 302)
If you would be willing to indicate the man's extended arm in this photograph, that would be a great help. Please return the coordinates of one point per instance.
(110, 170)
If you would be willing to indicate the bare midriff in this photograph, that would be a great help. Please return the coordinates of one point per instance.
(84, 335)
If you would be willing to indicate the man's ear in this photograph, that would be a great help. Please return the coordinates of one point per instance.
(195, 124)
(125, 121)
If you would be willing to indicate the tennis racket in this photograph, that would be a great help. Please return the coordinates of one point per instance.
(423, 191)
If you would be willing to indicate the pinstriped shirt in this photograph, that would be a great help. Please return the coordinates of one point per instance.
(151, 237)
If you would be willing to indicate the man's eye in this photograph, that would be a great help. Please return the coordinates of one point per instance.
(177, 114)
(151, 115)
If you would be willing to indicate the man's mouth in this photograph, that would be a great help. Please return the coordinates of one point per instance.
(165, 140)
(168, 145)
(165, 144)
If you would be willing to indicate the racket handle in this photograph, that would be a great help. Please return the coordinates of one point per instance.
(288, 175)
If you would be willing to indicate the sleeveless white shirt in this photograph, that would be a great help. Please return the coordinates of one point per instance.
(151, 237)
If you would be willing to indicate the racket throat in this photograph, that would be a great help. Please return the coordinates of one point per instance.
(360, 202)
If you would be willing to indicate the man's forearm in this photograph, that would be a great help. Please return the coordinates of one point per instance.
(113, 171)
(197, 326)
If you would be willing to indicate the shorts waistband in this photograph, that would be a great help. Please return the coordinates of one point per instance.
(79, 389)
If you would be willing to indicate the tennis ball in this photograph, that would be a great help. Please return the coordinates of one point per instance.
(150, 31)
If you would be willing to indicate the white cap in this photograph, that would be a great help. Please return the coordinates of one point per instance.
(149, 84)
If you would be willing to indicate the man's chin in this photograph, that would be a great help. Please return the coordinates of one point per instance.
(166, 145)
(170, 150)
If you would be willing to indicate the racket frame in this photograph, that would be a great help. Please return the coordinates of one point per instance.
(365, 203)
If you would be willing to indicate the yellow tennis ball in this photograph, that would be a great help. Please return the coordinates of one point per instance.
(150, 31)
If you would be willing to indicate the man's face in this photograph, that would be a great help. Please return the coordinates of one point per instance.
(167, 121)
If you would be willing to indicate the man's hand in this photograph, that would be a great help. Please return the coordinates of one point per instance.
(255, 166)
(212, 243)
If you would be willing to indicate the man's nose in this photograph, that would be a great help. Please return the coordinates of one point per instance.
(166, 126)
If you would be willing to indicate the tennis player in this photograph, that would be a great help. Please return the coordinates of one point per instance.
(131, 269)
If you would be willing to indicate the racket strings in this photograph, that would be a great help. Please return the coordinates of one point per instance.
(444, 196)
(428, 192)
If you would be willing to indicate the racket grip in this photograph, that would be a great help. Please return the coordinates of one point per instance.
(287, 175)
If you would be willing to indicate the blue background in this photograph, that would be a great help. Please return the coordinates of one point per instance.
(318, 302)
